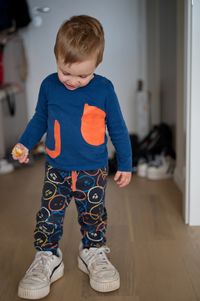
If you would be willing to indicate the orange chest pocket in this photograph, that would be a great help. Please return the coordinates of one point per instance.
(93, 125)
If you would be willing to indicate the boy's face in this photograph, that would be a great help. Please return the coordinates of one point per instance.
(76, 75)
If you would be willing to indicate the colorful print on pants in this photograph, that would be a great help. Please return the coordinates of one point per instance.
(87, 188)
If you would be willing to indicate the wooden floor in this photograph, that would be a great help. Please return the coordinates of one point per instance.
(158, 257)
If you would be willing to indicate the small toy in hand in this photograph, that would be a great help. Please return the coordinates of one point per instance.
(17, 151)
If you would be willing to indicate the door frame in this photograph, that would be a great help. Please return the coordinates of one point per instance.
(187, 100)
(192, 114)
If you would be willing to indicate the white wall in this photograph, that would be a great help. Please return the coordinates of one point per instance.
(124, 59)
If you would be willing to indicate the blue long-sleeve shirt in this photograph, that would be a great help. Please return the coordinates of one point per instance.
(75, 125)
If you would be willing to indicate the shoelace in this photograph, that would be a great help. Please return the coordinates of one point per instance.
(98, 256)
(40, 268)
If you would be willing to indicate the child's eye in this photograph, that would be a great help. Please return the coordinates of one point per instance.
(83, 76)
(65, 73)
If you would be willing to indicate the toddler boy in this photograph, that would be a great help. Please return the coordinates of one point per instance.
(74, 107)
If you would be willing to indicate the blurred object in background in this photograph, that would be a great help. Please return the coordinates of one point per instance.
(5, 167)
(112, 162)
(142, 111)
(14, 14)
(39, 149)
(13, 102)
(1, 64)
(156, 156)
(13, 73)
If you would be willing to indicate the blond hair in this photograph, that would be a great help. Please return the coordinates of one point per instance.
(79, 38)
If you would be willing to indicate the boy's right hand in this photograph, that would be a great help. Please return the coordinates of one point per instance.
(20, 153)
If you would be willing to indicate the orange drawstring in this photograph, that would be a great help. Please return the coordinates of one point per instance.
(74, 179)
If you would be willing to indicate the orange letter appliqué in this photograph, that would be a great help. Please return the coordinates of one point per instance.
(57, 150)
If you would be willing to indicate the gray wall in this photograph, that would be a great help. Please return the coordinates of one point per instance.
(153, 58)
(179, 174)
(168, 61)
(161, 60)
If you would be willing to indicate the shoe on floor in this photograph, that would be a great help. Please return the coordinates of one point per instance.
(103, 275)
(45, 269)
(142, 169)
(144, 165)
(162, 170)
(5, 167)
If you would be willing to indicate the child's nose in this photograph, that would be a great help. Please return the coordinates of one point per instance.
(73, 81)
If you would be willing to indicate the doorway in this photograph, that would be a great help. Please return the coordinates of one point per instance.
(165, 73)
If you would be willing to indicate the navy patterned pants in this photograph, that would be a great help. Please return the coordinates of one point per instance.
(87, 188)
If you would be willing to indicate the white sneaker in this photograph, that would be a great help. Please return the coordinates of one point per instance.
(5, 167)
(163, 170)
(103, 275)
(142, 169)
(45, 269)
(144, 165)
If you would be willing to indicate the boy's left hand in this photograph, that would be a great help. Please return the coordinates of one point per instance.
(123, 178)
